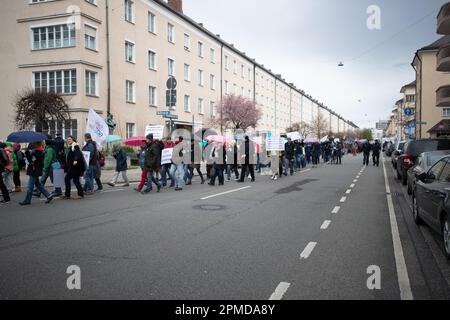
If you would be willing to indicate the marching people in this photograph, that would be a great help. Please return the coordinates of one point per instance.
(177, 170)
(289, 156)
(9, 168)
(165, 168)
(249, 148)
(232, 164)
(141, 159)
(339, 151)
(3, 163)
(218, 156)
(152, 163)
(92, 167)
(366, 150)
(195, 165)
(50, 162)
(74, 167)
(35, 157)
(121, 167)
(376, 149)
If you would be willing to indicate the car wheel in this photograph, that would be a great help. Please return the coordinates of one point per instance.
(446, 235)
(416, 211)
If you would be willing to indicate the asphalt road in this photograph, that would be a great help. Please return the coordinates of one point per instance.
(294, 238)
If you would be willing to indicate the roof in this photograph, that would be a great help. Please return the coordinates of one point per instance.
(399, 102)
(437, 44)
(409, 85)
(443, 125)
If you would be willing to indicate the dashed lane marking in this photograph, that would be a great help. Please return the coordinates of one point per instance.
(325, 225)
(336, 210)
(280, 291)
(308, 250)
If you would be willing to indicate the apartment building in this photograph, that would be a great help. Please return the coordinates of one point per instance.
(115, 56)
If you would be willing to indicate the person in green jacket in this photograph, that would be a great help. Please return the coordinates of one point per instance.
(50, 159)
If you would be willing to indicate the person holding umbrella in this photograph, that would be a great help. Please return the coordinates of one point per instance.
(35, 157)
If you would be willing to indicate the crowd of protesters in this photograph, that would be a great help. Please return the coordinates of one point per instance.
(242, 159)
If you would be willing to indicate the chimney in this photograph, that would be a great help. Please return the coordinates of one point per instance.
(176, 5)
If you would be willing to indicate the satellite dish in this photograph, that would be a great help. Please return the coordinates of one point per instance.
(340, 64)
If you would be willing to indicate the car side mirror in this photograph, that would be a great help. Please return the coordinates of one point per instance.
(422, 176)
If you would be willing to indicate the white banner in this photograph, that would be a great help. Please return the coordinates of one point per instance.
(294, 136)
(275, 143)
(98, 128)
(157, 131)
(166, 156)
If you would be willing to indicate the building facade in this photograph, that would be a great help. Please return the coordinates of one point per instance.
(115, 56)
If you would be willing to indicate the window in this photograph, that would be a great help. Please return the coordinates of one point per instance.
(92, 1)
(130, 130)
(242, 91)
(436, 170)
(91, 83)
(226, 86)
(60, 36)
(445, 174)
(227, 61)
(151, 22)
(200, 78)
(187, 72)
(187, 103)
(170, 33)
(212, 109)
(213, 55)
(90, 37)
(242, 71)
(129, 51)
(151, 60)
(130, 97)
(212, 82)
(235, 89)
(59, 81)
(410, 98)
(249, 74)
(152, 99)
(235, 67)
(446, 112)
(200, 106)
(129, 11)
(171, 67)
(67, 128)
(187, 41)
(200, 49)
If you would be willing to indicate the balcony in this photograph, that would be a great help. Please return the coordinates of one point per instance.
(443, 59)
(443, 20)
(443, 96)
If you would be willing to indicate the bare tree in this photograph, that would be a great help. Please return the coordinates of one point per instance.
(35, 108)
(320, 125)
(236, 112)
(303, 128)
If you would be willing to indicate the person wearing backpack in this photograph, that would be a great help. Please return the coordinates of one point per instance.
(3, 162)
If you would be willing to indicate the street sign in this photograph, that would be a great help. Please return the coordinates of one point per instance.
(171, 116)
(163, 113)
(171, 98)
(171, 83)
(409, 112)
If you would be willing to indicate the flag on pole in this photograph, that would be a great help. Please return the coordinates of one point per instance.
(97, 127)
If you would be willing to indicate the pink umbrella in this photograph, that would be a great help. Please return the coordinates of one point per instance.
(219, 139)
(134, 141)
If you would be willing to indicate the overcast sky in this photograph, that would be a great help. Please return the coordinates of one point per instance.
(304, 40)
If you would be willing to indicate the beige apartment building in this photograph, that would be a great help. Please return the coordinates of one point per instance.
(432, 95)
(115, 56)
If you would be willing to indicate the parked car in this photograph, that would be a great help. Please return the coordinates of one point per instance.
(423, 163)
(431, 200)
(397, 152)
(412, 149)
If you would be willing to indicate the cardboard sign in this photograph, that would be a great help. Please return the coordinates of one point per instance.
(166, 156)
(275, 143)
(157, 131)
(294, 136)
(86, 155)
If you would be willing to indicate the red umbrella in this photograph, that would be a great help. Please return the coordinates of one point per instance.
(135, 141)
(219, 139)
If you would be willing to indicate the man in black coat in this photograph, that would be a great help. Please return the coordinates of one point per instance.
(289, 154)
(152, 162)
(366, 151)
(376, 149)
(249, 148)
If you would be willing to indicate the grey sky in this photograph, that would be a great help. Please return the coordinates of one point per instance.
(304, 40)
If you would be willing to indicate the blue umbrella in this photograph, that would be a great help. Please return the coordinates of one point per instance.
(113, 138)
(26, 137)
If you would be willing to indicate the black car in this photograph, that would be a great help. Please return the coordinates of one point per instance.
(413, 149)
(398, 150)
(423, 163)
(431, 200)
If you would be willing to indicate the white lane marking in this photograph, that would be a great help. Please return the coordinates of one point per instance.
(308, 250)
(325, 225)
(402, 271)
(352, 186)
(348, 191)
(280, 291)
(343, 199)
(227, 192)
(336, 210)
(110, 191)
(356, 180)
